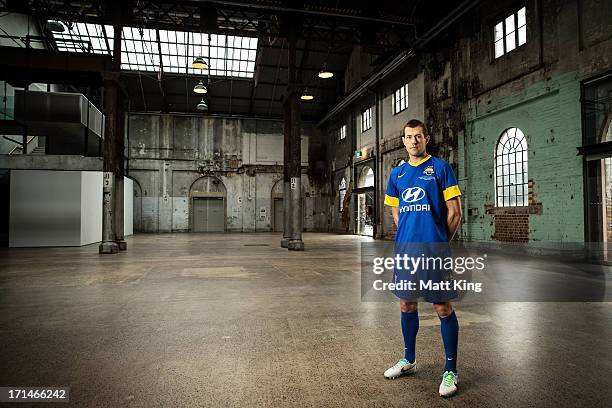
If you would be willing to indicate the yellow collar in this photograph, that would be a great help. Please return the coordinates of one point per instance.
(420, 162)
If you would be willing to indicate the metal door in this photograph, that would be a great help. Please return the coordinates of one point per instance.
(208, 214)
(278, 215)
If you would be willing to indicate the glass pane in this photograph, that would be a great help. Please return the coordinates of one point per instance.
(499, 48)
(510, 42)
(512, 157)
(509, 24)
(522, 35)
(498, 31)
(512, 200)
(521, 21)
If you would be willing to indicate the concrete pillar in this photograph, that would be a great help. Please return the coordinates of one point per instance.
(292, 123)
(119, 214)
(286, 177)
(295, 172)
(120, 172)
(112, 166)
(108, 245)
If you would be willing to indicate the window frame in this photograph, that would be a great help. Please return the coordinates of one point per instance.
(397, 103)
(341, 132)
(507, 160)
(503, 19)
(366, 120)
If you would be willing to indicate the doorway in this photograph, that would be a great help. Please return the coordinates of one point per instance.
(365, 213)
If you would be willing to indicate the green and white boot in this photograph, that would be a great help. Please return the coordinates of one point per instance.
(448, 386)
(402, 367)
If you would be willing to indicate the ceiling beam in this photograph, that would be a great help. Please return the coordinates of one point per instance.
(160, 74)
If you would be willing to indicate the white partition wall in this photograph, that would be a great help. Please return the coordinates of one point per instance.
(128, 206)
(91, 207)
(55, 208)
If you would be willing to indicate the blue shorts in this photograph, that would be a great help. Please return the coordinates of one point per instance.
(424, 273)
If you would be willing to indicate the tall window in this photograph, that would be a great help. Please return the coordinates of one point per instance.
(341, 132)
(510, 33)
(400, 99)
(342, 191)
(366, 119)
(511, 169)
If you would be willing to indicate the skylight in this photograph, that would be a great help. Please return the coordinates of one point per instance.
(141, 48)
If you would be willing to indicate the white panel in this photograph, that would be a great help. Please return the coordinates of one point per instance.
(128, 206)
(91, 207)
(45, 208)
(269, 148)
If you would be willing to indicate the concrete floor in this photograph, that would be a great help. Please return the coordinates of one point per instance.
(234, 320)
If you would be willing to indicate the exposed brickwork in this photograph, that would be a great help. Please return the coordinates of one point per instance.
(511, 227)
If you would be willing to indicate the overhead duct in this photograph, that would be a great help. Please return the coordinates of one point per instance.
(70, 123)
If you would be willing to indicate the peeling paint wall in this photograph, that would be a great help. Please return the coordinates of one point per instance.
(468, 98)
(535, 88)
(170, 156)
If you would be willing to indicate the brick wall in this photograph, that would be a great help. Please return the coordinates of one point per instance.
(511, 227)
(548, 113)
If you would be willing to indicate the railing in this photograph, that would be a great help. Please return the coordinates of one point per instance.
(20, 145)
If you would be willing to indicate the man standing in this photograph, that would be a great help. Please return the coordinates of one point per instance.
(424, 197)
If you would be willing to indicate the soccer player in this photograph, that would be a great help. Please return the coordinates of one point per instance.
(424, 197)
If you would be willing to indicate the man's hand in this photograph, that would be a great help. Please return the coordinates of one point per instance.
(453, 218)
(395, 212)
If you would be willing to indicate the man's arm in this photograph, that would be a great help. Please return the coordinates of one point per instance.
(453, 218)
(395, 212)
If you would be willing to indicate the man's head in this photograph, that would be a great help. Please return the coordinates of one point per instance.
(416, 137)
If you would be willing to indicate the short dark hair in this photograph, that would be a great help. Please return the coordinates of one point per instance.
(414, 123)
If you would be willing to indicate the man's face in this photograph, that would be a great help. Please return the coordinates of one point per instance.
(415, 141)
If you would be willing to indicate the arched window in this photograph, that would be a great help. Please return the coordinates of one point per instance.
(366, 177)
(342, 191)
(511, 169)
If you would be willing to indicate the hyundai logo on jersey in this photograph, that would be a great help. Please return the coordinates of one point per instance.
(412, 194)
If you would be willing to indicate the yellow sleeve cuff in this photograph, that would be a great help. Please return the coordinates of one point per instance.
(391, 201)
(451, 192)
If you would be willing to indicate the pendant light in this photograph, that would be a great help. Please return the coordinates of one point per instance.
(55, 26)
(200, 88)
(199, 63)
(306, 95)
(325, 73)
(202, 106)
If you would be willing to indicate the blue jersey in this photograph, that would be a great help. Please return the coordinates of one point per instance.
(421, 191)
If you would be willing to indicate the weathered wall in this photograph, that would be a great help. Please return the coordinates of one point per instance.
(387, 127)
(468, 98)
(170, 153)
(548, 113)
(536, 88)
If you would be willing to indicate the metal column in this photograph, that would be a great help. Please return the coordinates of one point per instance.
(111, 164)
(295, 162)
(120, 172)
(286, 178)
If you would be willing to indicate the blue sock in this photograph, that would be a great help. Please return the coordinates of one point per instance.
(410, 328)
(449, 327)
